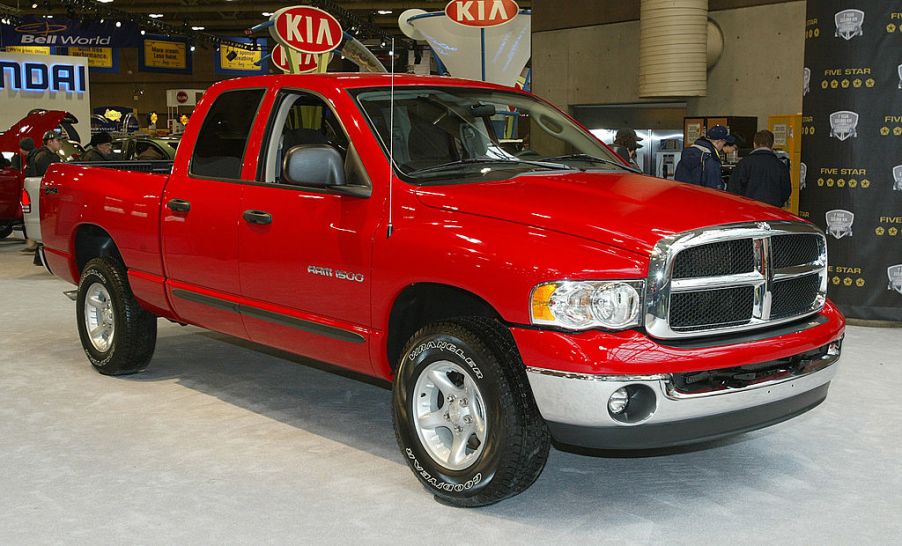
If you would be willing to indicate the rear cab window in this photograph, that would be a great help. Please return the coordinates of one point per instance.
(222, 141)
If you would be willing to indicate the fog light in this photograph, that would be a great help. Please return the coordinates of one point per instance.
(618, 401)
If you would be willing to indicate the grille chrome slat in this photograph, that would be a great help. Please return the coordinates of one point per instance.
(714, 283)
(797, 271)
(735, 278)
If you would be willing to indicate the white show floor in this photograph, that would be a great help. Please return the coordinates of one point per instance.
(220, 443)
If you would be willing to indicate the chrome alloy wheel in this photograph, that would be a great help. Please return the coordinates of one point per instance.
(99, 317)
(450, 415)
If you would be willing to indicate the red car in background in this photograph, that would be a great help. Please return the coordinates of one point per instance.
(34, 125)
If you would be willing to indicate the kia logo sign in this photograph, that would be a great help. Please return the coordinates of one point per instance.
(181, 97)
(306, 29)
(482, 13)
(307, 62)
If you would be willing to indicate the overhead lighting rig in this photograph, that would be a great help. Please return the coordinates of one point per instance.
(93, 10)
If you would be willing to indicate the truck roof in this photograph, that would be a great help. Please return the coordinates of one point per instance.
(352, 80)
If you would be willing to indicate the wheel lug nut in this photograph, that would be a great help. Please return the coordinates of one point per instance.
(447, 417)
(464, 402)
(450, 398)
(468, 419)
(459, 428)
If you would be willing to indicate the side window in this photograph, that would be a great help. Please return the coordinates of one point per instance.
(219, 152)
(301, 119)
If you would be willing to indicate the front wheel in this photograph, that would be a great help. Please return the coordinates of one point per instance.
(118, 335)
(464, 414)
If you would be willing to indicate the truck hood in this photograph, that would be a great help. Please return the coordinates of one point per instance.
(627, 211)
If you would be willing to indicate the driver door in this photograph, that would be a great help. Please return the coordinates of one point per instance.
(305, 253)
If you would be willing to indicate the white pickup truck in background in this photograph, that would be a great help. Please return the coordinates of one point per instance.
(31, 208)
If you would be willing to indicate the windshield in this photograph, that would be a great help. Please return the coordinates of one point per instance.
(468, 135)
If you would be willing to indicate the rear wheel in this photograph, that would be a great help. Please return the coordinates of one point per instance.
(464, 414)
(118, 336)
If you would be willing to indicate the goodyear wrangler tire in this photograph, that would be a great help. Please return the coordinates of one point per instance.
(118, 336)
(464, 415)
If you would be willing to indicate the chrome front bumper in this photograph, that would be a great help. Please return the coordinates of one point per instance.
(575, 406)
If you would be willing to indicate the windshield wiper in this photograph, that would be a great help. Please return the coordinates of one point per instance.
(592, 159)
(486, 160)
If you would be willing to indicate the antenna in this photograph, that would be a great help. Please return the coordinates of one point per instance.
(391, 143)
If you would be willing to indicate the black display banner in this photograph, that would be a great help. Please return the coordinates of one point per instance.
(851, 183)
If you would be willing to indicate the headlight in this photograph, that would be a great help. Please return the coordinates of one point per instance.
(581, 305)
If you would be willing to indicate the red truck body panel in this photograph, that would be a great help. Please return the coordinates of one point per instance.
(495, 240)
(11, 180)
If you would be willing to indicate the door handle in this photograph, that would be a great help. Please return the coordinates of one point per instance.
(50, 189)
(257, 217)
(178, 205)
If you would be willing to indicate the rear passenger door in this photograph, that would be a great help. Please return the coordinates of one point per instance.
(201, 214)
(305, 269)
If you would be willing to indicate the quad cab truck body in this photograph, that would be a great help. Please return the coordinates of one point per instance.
(511, 277)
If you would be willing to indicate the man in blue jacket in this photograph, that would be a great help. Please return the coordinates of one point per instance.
(700, 163)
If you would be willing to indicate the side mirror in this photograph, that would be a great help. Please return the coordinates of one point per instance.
(318, 165)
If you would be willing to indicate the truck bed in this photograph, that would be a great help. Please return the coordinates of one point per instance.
(122, 197)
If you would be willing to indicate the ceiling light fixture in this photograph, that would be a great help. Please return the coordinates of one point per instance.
(384, 12)
(155, 15)
(198, 28)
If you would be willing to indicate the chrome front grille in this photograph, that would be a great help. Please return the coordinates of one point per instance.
(734, 278)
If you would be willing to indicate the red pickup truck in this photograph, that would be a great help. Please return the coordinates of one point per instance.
(510, 274)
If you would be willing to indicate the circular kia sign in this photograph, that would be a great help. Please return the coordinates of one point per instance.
(181, 97)
(307, 62)
(482, 13)
(306, 29)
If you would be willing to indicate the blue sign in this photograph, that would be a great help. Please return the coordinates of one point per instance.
(40, 77)
(64, 32)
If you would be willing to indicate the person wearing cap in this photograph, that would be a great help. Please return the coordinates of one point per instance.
(100, 148)
(26, 146)
(761, 175)
(730, 147)
(700, 163)
(41, 159)
(629, 140)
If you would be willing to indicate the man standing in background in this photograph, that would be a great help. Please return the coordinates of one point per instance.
(762, 175)
(700, 163)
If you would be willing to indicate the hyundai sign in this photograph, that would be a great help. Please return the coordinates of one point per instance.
(48, 82)
(40, 77)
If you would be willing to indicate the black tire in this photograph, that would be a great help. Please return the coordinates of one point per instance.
(5, 231)
(134, 330)
(517, 441)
